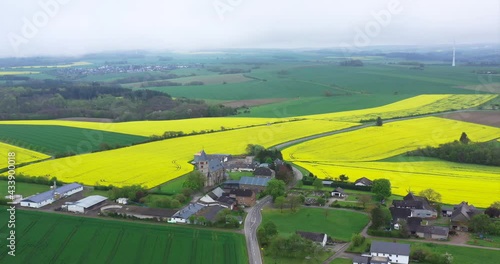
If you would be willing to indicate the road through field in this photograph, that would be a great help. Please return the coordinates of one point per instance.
(252, 222)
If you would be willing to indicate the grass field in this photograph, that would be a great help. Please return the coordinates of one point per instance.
(22, 155)
(316, 259)
(237, 175)
(359, 153)
(55, 238)
(341, 261)
(23, 188)
(338, 224)
(61, 139)
(154, 163)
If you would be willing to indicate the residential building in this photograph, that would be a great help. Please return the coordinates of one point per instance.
(263, 172)
(396, 252)
(338, 192)
(363, 181)
(419, 206)
(182, 216)
(319, 238)
(433, 232)
(461, 216)
(244, 197)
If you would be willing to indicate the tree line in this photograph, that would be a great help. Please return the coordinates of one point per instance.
(51, 99)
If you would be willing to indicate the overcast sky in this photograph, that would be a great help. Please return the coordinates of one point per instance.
(73, 27)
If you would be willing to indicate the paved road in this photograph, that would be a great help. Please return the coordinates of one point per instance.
(300, 140)
(252, 222)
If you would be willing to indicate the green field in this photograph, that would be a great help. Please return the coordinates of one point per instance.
(341, 261)
(318, 259)
(338, 224)
(349, 88)
(464, 255)
(60, 139)
(24, 189)
(237, 175)
(56, 238)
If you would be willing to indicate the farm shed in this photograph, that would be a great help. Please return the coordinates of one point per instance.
(48, 197)
(81, 205)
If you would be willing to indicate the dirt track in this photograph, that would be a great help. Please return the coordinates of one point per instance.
(489, 118)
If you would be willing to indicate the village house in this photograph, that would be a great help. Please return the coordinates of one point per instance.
(395, 252)
(243, 197)
(419, 206)
(363, 181)
(319, 238)
(433, 232)
(461, 216)
(253, 183)
(263, 172)
(338, 192)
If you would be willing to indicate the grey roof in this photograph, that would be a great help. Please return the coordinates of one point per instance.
(414, 223)
(241, 193)
(188, 210)
(400, 213)
(139, 210)
(210, 212)
(390, 248)
(316, 237)
(379, 260)
(232, 182)
(214, 165)
(41, 197)
(364, 181)
(435, 230)
(262, 171)
(360, 260)
(339, 190)
(254, 181)
(90, 201)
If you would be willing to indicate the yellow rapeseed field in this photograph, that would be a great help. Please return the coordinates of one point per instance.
(358, 154)
(418, 105)
(148, 128)
(391, 139)
(479, 185)
(78, 63)
(157, 162)
(22, 155)
(16, 72)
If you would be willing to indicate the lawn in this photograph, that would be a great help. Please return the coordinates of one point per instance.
(56, 238)
(237, 175)
(341, 261)
(171, 187)
(54, 140)
(489, 241)
(23, 188)
(318, 259)
(338, 224)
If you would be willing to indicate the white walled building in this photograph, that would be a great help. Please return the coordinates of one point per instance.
(396, 252)
(48, 197)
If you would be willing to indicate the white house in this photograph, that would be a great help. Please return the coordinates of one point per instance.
(48, 197)
(396, 252)
(338, 192)
(319, 238)
(122, 200)
(363, 181)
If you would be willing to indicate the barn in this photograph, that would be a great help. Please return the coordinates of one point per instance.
(48, 197)
(81, 205)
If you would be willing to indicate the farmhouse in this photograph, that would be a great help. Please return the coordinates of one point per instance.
(319, 238)
(338, 192)
(433, 232)
(363, 181)
(395, 252)
(263, 172)
(84, 204)
(210, 212)
(461, 215)
(182, 216)
(244, 197)
(48, 197)
(246, 164)
(419, 206)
